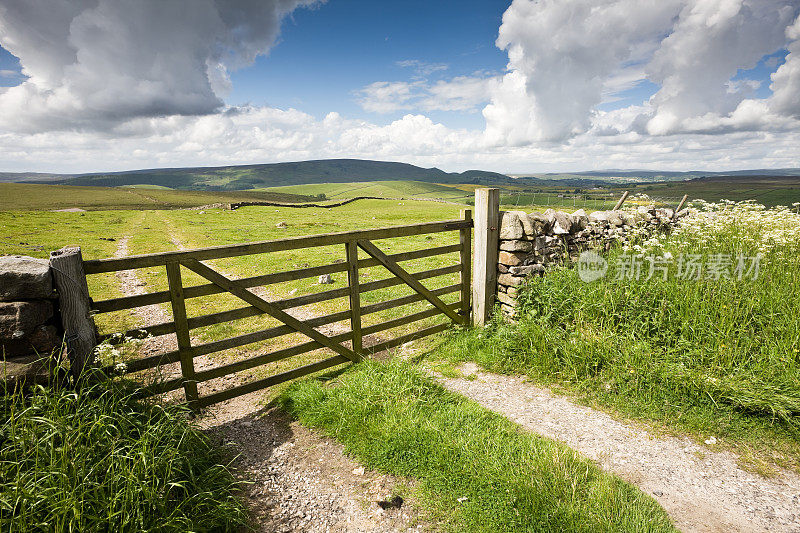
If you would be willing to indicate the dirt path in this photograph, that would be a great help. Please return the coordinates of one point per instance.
(297, 480)
(702, 490)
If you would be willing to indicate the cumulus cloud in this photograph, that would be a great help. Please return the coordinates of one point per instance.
(94, 63)
(120, 84)
(786, 80)
(708, 44)
(568, 56)
(561, 54)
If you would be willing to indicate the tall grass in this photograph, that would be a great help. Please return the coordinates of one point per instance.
(712, 356)
(476, 471)
(99, 460)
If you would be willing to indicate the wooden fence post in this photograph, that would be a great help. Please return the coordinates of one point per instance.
(73, 296)
(465, 239)
(487, 222)
(351, 248)
(621, 201)
(680, 205)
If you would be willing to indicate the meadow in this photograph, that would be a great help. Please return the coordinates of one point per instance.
(708, 358)
(31, 197)
(100, 233)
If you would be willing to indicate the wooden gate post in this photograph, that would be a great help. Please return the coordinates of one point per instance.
(484, 282)
(73, 297)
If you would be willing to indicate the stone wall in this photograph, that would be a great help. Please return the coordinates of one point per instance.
(30, 331)
(531, 242)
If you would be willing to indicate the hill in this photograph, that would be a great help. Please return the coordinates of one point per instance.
(244, 177)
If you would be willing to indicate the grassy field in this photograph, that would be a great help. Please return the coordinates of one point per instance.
(100, 232)
(475, 470)
(383, 189)
(708, 357)
(770, 191)
(29, 197)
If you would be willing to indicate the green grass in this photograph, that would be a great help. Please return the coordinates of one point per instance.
(709, 358)
(99, 460)
(384, 189)
(29, 197)
(152, 231)
(473, 470)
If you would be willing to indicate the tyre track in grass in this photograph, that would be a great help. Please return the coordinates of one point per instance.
(702, 489)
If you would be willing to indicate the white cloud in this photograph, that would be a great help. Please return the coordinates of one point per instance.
(422, 68)
(461, 93)
(113, 87)
(786, 80)
(389, 96)
(562, 54)
(92, 64)
(568, 56)
(261, 134)
(708, 44)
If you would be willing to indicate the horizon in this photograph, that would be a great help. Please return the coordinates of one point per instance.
(509, 174)
(513, 87)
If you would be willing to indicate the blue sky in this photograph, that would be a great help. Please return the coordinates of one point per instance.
(677, 84)
(327, 53)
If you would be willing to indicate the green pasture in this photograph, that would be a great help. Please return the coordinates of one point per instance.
(100, 232)
(31, 197)
(383, 189)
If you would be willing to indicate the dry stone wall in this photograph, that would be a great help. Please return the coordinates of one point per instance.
(531, 242)
(30, 330)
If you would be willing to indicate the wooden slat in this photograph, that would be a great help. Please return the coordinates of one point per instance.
(278, 355)
(410, 280)
(153, 298)
(269, 357)
(160, 387)
(408, 319)
(406, 338)
(182, 332)
(272, 380)
(355, 296)
(246, 312)
(465, 240)
(145, 363)
(265, 334)
(255, 301)
(173, 357)
(405, 300)
(98, 266)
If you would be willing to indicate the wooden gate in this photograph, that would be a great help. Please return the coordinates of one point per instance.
(346, 347)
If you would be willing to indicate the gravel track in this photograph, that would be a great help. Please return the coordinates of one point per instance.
(296, 479)
(702, 490)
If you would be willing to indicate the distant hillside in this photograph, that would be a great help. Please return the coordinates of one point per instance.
(656, 175)
(769, 190)
(244, 177)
